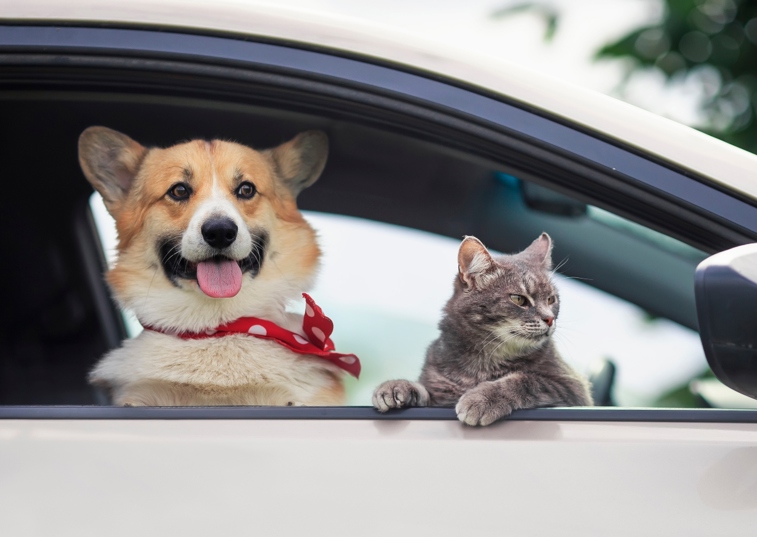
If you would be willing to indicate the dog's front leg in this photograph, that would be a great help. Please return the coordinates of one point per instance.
(150, 393)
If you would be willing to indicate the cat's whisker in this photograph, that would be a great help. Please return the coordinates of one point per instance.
(502, 341)
(486, 354)
(566, 326)
(481, 345)
(565, 346)
(560, 265)
(576, 278)
(561, 337)
(488, 340)
(498, 347)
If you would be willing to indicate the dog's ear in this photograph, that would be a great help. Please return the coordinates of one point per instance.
(110, 161)
(300, 161)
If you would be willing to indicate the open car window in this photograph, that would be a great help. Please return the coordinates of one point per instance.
(415, 163)
(385, 285)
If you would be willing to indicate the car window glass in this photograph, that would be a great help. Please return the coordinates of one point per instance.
(668, 243)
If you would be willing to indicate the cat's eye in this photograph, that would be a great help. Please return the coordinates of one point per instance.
(551, 300)
(246, 190)
(179, 192)
(518, 300)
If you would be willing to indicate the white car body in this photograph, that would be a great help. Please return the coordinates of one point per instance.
(281, 477)
(632, 472)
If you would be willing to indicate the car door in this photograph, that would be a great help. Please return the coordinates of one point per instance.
(414, 150)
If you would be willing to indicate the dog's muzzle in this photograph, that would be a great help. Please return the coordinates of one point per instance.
(218, 275)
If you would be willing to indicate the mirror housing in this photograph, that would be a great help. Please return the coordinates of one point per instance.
(726, 297)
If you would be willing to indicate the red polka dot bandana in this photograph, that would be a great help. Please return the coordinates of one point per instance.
(316, 326)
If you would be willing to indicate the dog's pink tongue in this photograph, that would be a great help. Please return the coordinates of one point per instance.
(219, 279)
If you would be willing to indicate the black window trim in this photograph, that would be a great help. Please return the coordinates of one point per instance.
(587, 414)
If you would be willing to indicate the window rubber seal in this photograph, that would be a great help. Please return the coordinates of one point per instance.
(568, 414)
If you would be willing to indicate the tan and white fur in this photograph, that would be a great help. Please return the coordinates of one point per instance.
(211, 204)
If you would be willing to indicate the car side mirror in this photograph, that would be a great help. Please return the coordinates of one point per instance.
(726, 296)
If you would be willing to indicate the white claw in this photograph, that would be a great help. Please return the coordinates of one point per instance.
(379, 403)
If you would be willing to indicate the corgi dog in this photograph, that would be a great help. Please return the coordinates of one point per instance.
(209, 233)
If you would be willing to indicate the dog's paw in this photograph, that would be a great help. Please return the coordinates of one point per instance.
(399, 394)
(482, 406)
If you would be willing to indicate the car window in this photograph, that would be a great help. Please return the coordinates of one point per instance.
(385, 285)
(442, 165)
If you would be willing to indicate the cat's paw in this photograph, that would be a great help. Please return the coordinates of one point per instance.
(482, 406)
(399, 394)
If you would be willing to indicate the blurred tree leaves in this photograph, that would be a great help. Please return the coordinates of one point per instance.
(549, 14)
(709, 43)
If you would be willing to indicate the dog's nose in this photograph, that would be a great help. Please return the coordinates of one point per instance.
(219, 232)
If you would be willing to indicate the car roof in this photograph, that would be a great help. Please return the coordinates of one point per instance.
(682, 146)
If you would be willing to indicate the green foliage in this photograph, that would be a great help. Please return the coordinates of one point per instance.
(682, 396)
(713, 42)
(548, 13)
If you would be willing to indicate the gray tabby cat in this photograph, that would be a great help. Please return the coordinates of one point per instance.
(495, 353)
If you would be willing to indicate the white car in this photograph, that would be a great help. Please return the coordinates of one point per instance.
(424, 139)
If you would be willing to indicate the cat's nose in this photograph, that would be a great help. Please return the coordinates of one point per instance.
(549, 320)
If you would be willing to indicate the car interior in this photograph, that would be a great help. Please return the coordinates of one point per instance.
(57, 315)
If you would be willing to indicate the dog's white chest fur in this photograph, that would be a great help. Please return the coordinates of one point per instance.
(161, 370)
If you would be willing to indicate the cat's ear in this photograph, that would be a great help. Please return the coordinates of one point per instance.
(474, 262)
(540, 251)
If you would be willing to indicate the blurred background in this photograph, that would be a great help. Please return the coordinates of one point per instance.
(693, 61)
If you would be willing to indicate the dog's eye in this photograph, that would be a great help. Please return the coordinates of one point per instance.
(246, 190)
(180, 192)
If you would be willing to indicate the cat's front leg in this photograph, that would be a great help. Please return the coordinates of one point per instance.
(484, 404)
(399, 394)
